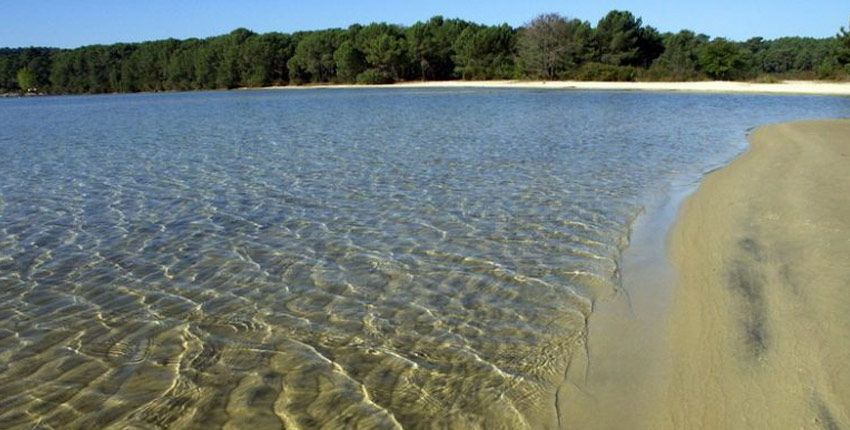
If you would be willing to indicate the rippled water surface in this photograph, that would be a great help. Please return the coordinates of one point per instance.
(327, 258)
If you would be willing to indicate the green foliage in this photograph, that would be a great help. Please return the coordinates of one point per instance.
(431, 47)
(622, 40)
(790, 55)
(373, 77)
(486, 53)
(680, 59)
(240, 58)
(829, 70)
(384, 47)
(724, 60)
(180, 69)
(650, 46)
(350, 62)
(26, 79)
(313, 61)
(620, 47)
(843, 51)
(617, 36)
(605, 72)
(36, 60)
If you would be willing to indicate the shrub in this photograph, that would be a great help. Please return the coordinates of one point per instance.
(605, 72)
(658, 73)
(373, 77)
(724, 60)
(826, 70)
(766, 79)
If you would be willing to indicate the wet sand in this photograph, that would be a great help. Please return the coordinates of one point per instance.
(784, 87)
(761, 316)
(745, 323)
(624, 375)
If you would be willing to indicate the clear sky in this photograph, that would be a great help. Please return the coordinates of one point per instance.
(72, 23)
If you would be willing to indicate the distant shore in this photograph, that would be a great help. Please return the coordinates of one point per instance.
(784, 87)
(824, 88)
(760, 317)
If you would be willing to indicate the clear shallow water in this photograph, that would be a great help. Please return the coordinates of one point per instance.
(308, 258)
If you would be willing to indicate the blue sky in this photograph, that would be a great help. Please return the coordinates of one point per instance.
(72, 23)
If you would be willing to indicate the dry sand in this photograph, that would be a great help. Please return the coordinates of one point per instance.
(760, 323)
(749, 327)
(786, 87)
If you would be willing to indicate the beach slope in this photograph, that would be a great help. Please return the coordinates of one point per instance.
(760, 324)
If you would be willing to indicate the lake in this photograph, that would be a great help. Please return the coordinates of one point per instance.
(371, 257)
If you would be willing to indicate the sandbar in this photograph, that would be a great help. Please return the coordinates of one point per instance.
(759, 327)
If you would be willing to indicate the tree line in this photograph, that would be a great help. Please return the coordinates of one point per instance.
(618, 48)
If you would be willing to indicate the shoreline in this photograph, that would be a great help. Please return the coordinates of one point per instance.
(824, 88)
(626, 354)
(757, 329)
(627, 351)
(734, 312)
(789, 87)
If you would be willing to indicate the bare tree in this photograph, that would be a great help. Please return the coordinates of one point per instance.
(551, 44)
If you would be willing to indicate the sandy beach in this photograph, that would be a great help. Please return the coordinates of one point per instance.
(759, 323)
(751, 302)
(785, 87)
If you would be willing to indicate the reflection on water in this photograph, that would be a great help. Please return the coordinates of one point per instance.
(376, 258)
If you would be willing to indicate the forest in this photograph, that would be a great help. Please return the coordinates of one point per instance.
(620, 47)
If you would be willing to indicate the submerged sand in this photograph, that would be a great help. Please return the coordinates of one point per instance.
(760, 323)
(784, 87)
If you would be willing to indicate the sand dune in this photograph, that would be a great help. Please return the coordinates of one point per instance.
(760, 323)
(786, 87)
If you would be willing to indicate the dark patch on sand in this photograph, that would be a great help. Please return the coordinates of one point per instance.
(745, 280)
(786, 275)
(751, 248)
(824, 417)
